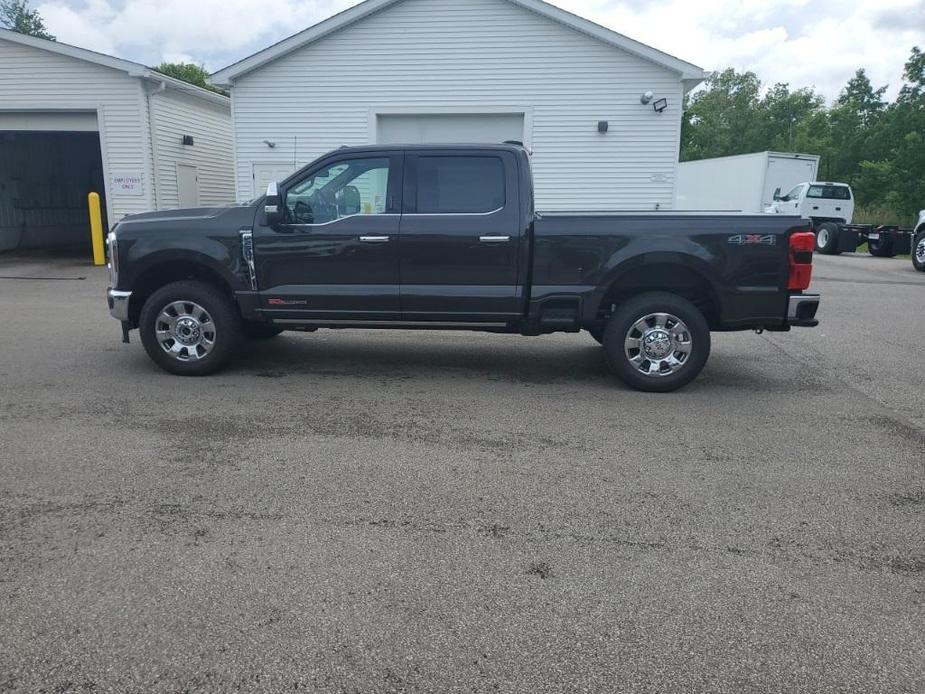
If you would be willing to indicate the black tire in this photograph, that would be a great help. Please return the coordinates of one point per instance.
(881, 248)
(827, 238)
(621, 326)
(220, 314)
(597, 333)
(259, 331)
(918, 250)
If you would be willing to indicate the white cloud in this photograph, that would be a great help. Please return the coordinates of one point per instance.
(819, 43)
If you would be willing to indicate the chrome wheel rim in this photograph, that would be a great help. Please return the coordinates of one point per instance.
(658, 344)
(920, 251)
(185, 331)
(822, 238)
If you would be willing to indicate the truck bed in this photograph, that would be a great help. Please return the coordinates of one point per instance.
(743, 259)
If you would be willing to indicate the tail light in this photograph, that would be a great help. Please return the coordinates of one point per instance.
(802, 244)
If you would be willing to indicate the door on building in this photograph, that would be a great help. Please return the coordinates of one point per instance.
(267, 173)
(446, 128)
(49, 162)
(187, 185)
(336, 249)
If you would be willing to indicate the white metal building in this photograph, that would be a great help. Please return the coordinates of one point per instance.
(411, 71)
(74, 121)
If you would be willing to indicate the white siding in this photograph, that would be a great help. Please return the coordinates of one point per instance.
(33, 79)
(472, 56)
(175, 114)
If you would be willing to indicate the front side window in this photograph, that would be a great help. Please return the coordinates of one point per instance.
(793, 194)
(829, 192)
(460, 185)
(342, 189)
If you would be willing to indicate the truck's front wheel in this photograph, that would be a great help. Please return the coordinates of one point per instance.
(827, 238)
(189, 328)
(657, 342)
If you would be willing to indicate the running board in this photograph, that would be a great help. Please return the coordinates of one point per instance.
(447, 325)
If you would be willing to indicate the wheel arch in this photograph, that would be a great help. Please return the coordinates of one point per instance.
(686, 277)
(167, 268)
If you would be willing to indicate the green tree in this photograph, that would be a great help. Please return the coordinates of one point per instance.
(784, 118)
(18, 16)
(189, 72)
(854, 121)
(720, 119)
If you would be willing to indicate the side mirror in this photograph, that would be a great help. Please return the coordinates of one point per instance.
(777, 194)
(272, 206)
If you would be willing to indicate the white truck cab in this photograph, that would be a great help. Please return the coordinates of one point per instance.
(818, 201)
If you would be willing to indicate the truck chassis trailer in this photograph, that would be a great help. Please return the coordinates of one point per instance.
(883, 241)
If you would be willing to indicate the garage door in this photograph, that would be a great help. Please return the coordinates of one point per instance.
(44, 180)
(449, 128)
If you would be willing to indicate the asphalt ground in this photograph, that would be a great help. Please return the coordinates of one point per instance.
(379, 511)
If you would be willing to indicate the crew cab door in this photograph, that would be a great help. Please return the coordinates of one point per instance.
(334, 255)
(460, 236)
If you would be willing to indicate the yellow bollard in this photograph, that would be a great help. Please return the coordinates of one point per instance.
(96, 228)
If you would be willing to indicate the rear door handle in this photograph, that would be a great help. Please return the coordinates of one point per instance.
(494, 239)
(374, 239)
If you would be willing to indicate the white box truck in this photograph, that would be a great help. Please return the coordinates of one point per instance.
(740, 183)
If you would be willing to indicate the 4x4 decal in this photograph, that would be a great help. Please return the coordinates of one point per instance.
(753, 240)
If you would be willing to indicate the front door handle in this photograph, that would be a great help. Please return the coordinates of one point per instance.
(494, 239)
(374, 239)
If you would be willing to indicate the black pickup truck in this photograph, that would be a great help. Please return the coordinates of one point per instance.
(446, 237)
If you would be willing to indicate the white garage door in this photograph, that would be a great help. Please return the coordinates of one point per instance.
(449, 128)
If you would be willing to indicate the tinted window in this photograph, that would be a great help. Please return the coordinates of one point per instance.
(448, 185)
(344, 189)
(831, 192)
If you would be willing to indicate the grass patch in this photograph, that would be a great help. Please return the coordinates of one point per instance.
(880, 215)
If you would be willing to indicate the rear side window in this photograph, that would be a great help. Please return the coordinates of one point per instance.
(829, 192)
(460, 185)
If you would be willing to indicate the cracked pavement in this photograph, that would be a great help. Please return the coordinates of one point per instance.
(379, 511)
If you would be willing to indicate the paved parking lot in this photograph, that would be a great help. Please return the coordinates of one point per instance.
(368, 511)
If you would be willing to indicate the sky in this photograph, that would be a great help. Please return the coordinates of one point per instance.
(816, 43)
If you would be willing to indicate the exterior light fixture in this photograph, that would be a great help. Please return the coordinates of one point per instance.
(660, 105)
(187, 140)
(602, 126)
(646, 98)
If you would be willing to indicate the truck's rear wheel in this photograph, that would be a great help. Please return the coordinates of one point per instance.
(918, 251)
(827, 238)
(189, 328)
(657, 342)
(881, 247)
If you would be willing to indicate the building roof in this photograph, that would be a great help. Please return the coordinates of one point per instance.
(688, 72)
(126, 66)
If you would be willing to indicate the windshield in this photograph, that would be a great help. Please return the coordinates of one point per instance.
(829, 192)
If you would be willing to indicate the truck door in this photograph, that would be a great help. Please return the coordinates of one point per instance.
(460, 236)
(335, 253)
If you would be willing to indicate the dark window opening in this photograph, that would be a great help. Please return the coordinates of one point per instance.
(460, 185)
(829, 192)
